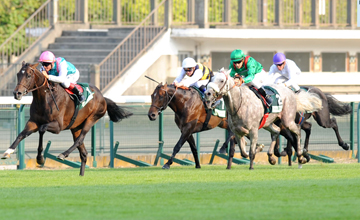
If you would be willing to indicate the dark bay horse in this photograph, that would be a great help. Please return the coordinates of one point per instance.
(246, 111)
(190, 116)
(330, 105)
(44, 115)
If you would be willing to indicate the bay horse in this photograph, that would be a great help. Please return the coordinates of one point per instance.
(52, 110)
(330, 105)
(245, 112)
(190, 117)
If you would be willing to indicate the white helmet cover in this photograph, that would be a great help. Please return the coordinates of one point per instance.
(188, 63)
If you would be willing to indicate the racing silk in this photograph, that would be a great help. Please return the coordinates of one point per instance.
(60, 70)
(290, 72)
(201, 73)
(248, 70)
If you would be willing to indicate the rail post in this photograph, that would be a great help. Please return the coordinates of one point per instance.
(93, 145)
(358, 132)
(352, 130)
(21, 147)
(111, 164)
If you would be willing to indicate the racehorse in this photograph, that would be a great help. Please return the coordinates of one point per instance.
(190, 117)
(52, 110)
(330, 105)
(246, 111)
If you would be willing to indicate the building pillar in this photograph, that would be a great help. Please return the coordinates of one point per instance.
(351, 5)
(117, 12)
(279, 6)
(242, 12)
(201, 13)
(168, 13)
(227, 12)
(263, 12)
(315, 13)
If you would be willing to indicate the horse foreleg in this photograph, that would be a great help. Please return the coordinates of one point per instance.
(30, 128)
(231, 154)
(252, 152)
(226, 143)
(53, 127)
(192, 144)
(186, 132)
(275, 131)
(242, 146)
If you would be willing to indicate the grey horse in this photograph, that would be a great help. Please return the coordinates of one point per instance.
(245, 112)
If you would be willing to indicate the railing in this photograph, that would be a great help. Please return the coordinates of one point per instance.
(133, 45)
(25, 36)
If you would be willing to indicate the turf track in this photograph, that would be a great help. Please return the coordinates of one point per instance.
(318, 191)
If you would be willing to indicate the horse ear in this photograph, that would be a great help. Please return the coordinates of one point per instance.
(228, 72)
(36, 64)
(165, 86)
(23, 63)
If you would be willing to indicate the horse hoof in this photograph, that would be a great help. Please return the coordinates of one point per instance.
(40, 160)
(272, 161)
(251, 168)
(307, 157)
(61, 157)
(197, 167)
(166, 167)
(259, 148)
(228, 168)
(5, 156)
(222, 150)
(345, 146)
(283, 154)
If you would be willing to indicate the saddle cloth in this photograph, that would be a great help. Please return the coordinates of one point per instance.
(277, 104)
(85, 89)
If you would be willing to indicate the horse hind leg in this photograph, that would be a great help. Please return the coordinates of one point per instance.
(83, 157)
(341, 143)
(192, 144)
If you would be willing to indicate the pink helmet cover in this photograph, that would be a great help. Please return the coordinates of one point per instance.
(47, 57)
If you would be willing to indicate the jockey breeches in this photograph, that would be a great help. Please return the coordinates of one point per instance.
(289, 83)
(200, 83)
(71, 78)
(259, 79)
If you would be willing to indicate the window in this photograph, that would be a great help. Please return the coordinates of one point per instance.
(302, 60)
(333, 62)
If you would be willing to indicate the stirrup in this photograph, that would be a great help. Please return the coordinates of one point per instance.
(216, 104)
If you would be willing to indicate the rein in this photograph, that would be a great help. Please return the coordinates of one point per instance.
(160, 109)
(227, 90)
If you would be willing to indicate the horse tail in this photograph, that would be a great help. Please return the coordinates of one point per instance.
(336, 107)
(308, 102)
(115, 112)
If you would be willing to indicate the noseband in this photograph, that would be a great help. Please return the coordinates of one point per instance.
(168, 97)
(27, 90)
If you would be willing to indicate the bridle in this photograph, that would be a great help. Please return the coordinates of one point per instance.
(27, 90)
(227, 89)
(168, 97)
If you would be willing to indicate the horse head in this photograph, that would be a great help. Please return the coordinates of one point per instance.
(218, 87)
(29, 79)
(160, 99)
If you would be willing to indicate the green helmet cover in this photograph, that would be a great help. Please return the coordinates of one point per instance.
(237, 55)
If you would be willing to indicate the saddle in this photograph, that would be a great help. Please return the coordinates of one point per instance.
(88, 94)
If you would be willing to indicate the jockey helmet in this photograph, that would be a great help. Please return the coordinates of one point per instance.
(188, 63)
(279, 58)
(237, 55)
(47, 57)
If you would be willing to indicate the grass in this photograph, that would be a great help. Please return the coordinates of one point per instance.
(318, 191)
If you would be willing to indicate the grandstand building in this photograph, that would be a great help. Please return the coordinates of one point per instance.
(116, 51)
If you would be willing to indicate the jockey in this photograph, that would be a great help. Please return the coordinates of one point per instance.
(60, 71)
(199, 75)
(249, 71)
(288, 70)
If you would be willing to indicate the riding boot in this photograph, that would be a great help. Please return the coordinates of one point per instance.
(79, 94)
(268, 99)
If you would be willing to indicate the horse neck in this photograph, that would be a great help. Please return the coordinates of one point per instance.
(232, 98)
(178, 98)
